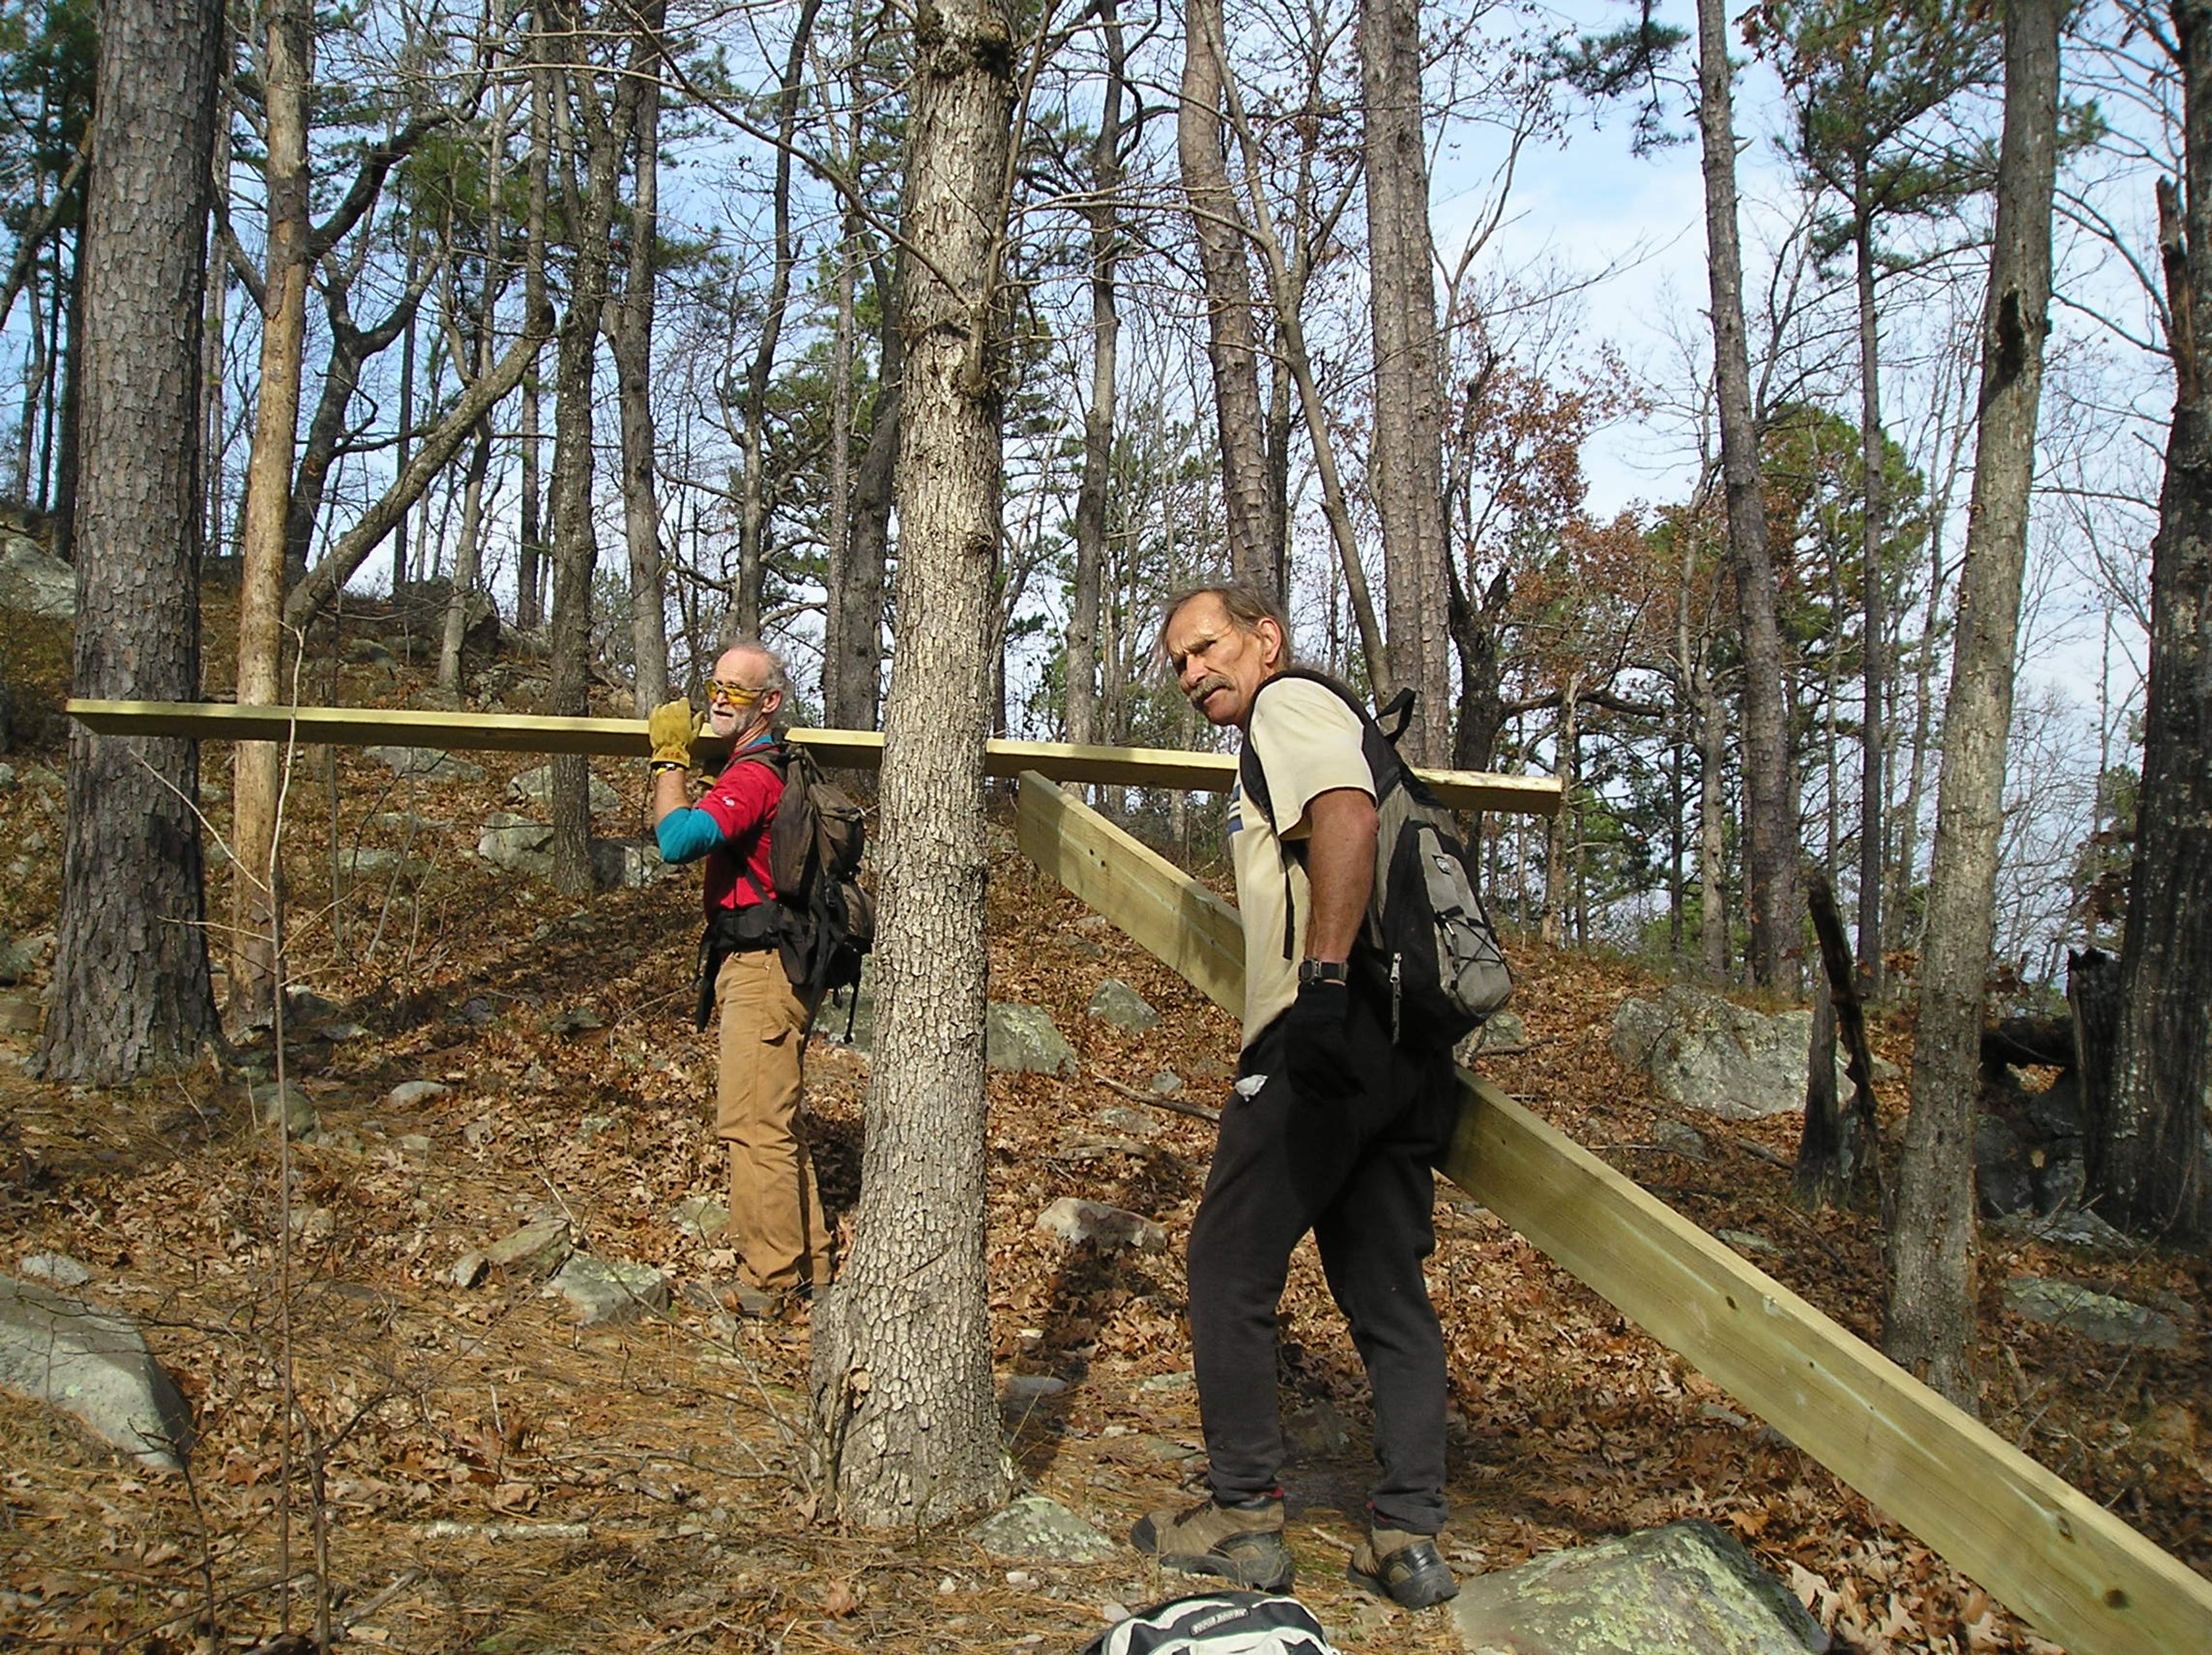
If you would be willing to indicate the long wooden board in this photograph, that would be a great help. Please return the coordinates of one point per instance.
(625, 738)
(2051, 1553)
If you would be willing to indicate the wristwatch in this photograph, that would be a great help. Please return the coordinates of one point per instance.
(1324, 970)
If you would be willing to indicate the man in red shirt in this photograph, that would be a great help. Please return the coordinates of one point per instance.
(776, 1222)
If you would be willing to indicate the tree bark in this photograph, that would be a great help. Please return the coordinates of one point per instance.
(256, 878)
(906, 1432)
(631, 336)
(2157, 1161)
(861, 601)
(582, 122)
(1770, 892)
(1406, 459)
(1930, 1318)
(531, 555)
(1104, 214)
(1255, 529)
(1874, 804)
(131, 993)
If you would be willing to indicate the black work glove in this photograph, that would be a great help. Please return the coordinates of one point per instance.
(1316, 1042)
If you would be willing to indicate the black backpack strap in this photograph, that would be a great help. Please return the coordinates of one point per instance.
(1396, 714)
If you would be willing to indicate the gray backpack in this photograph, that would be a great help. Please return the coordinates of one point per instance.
(1427, 944)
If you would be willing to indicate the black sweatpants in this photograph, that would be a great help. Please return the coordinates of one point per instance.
(1356, 1171)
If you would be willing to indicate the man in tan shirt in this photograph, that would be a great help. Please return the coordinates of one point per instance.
(1333, 1128)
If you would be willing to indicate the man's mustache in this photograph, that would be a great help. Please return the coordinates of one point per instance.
(1205, 687)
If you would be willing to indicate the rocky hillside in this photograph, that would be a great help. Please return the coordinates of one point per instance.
(447, 1308)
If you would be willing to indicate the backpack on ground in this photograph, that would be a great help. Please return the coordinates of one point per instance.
(1426, 942)
(1218, 1623)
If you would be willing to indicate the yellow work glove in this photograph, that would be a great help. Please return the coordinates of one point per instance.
(669, 727)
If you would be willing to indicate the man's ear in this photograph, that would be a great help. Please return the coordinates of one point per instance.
(1266, 628)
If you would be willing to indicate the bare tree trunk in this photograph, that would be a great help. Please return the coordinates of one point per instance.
(1406, 461)
(753, 435)
(531, 556)
(256, 885)
(861, 599)
(2155, 1164)
(1930, 1319)
(1874, 804)
(906, 1432)
(837, 555)
(467, 566)
(1104, 214)
(406, 433)
(1712, 810)
(1255, 532)
(631, 336)
(1769, 893)
(130, 992)
(589, 204)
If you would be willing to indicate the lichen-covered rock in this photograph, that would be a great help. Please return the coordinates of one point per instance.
(1036, 1530)
(535, 788)
(33, 581)
(1708, 1053)
(700, 1216)
(1116, 1002)
(424, 763)
(1025, 1039)
(602, 1291)
(94, 1363)
(535, 1250)
(2094, 1316)
(1689, 1589)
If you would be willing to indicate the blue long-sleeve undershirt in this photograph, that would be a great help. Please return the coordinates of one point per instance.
(686, 834)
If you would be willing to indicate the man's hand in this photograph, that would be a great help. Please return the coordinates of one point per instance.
(670, 728)
(1316, 1049)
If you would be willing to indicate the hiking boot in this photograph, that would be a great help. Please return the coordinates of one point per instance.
(1403, 1567)
(1243, 1542)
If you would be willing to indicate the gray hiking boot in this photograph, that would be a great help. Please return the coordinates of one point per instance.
(1407, 1568)
(1241, 1542)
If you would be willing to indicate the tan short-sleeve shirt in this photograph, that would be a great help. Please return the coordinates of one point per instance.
(1308, 743)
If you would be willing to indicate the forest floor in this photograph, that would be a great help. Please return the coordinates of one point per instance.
(467, 1470)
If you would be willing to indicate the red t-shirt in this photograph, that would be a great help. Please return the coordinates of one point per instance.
(742, 802)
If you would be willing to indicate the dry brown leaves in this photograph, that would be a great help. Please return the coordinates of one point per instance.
(465, 1468)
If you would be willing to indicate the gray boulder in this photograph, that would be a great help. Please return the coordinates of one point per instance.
(516, 843)
(94, 1364)
(55, 1269)
(408, 1093)
(18, 959)
(535, 1250)
(1077, 1221)
(35, 582)
(424, 763)
(701, 1217)
(287, 1107)
(603, 1292)
(1688, 1588)
(535, 788)
(627, 864)
(1033, 1529)
(1117, 1003)
(1708, 1053)
(2096, 1316)
(1025, 1040)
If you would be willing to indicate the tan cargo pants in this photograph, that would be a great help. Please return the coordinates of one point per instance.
(776, 1223)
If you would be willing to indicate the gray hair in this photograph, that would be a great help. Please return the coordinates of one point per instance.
(1248, 606)
(778, 679)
